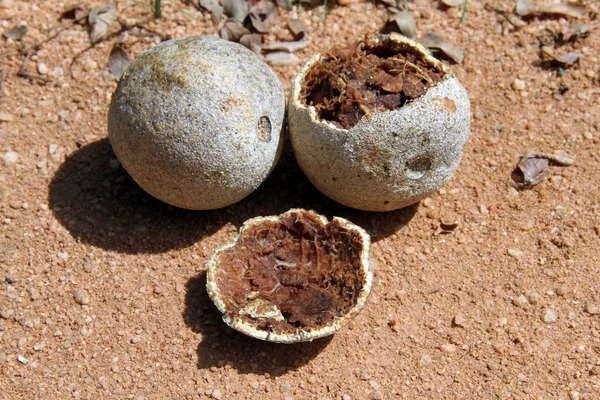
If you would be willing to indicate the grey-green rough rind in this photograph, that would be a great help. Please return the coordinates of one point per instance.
(185, 122)
(378, 165)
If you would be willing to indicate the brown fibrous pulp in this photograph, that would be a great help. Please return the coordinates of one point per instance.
(372, 74)
(310, 271)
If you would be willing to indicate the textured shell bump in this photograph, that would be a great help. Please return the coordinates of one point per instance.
(197, 122)
(390, 159)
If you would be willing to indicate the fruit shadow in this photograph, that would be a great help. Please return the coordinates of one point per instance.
(100, 204)
(221, 346)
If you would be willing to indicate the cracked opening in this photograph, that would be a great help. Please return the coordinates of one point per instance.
(373, 74)
(417, 168)
(264, 129)
(292, 273)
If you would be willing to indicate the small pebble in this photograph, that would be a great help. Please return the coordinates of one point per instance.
(425, 360)
(135, 339)
(312, 379)
(90, 65)
(6, 314)
(549, 316)
(114, 164)
(533, 297)
(346, 397)
(6, 3)
(285, 386)
(81, 297)
(518, 84)
(52, 148)
(459, 321)
(515, 253)
(588, 135)
(375, 395)
(10, 157)
(10, 279)
(42, 69)
(520, 301)
(6, 117)
(592, 309)
(216, 394)
(522, 378)
(23, 360)
(574, 395)
(449, 348)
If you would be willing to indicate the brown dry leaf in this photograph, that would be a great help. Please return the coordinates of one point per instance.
(74, 11)
(233, 30)
(252, 41)
(532, 171)
(281, 58)
(566, 59)
(437, 41)
(453, 3)
(263, 16)
(446, 227)
(100, 19)
(560, 158)
(16, 33)
(566, 10)
(525, 8)
(290, 47)
(297, 27)
(216, 10)
(405, 22)
(236, 9)
(118, 61)
(575, 31)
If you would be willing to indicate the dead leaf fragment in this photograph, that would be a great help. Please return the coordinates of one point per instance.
(252, 42)
(405, 21)
(575, 31)
(281, 58)
(438, 42)
(100, 19)
(216, 10)
(533, 171)
(525, 9)
(74, 11)
(566, 59)
(560, 158)
(446, 227)
(297, 27)
(263, 16)
(290, 47)
(233, 30)
(16, 33)
(453, 3)
(236, 9)
(566, 10)
(118, 61)
(285, 4)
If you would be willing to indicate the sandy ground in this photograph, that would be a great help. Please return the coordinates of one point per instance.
(102, 287)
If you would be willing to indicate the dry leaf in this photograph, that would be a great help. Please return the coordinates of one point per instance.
(263, 16)
(575, 31)
(281, 58)
(216, 10)
(560, 158)
(16, 33)
(236, 9)
(290, 47)
(285, 4)
(233, 30)
(532, 171)
(252, 41)
(453, 3)
(118, 61)
(100, 19)
(446, 227)
(437, 41)
(405, 22)
(566, 59)
(525, 8)
(297, 27)
(566, 10)
(74, 11)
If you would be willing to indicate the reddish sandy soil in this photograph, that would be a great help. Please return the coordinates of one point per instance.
(102, 287)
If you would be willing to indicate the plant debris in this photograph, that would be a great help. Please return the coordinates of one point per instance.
(452, 3)
(566, 59)
(533, 167)
(371, 74)
(438, 42)
(290, 47)
(118, 61)
(263, 16)
(281, 58)
(297, 27)
(74, 11)
(233, 30)
(252, 41)
(446, 227)
(216, 10)
(16, 33)
(525, 9)
(575, 31)
(405, 21)
(236, 9)
(100, 19)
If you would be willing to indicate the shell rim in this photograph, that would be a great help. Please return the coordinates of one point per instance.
(300, 335)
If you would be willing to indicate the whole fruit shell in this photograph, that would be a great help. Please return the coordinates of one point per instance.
(252, 311)
(197, 122)
(390, 159)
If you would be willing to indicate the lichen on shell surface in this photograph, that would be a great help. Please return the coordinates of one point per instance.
(389, 158)
(293, 277)
(197, 122)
